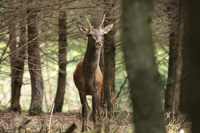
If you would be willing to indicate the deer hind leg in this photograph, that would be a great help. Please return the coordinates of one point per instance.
(85, 111)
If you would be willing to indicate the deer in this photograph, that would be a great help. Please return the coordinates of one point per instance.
(87, 75)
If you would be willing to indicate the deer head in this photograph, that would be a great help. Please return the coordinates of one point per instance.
(95, 35)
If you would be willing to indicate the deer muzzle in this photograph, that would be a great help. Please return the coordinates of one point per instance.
(99, 43)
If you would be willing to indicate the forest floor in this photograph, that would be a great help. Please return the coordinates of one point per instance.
(120, 123)
(11, 121)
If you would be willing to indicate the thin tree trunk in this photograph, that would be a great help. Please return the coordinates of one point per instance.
(173, 56)
(179, 41)
(34, 62)
(109, 58)
(144, 78)
(17, 63)
(62, 62)
(184, 31)
(13, 61)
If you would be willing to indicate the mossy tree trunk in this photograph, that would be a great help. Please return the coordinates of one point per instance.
(144, 78)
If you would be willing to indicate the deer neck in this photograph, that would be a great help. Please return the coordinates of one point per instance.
(91, 59)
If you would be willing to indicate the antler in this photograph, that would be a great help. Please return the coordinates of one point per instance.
(102, 20)
(88, 21)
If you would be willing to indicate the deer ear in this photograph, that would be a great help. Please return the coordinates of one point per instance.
(82, 28)
(107, 29)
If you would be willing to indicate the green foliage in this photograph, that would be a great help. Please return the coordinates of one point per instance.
(162, 58)
(47, 24)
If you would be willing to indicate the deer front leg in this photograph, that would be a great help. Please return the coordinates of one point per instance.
(95, 107)
(85, 111)
(98, 103)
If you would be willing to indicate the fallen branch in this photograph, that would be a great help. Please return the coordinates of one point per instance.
(71, 128)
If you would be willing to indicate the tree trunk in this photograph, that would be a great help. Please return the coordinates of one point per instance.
(62, 62)
(193, 91)
(17, 63)
(14, 84)
(173, 56)
(144, 79)
(109, 58)
(183, 26)
(179, 41)
(34, 62)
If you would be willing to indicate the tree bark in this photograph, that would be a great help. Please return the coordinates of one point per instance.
(144, 79)
(184, 27)
(17, 63)
(173, 56)
(62, 62)
(193, 91)
(109, 58)
(13, 61)
(34, 62)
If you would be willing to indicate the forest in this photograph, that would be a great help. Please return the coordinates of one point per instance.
(146, 50)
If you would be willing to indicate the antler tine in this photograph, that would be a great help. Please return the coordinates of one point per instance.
(88, 21)
(102, 20)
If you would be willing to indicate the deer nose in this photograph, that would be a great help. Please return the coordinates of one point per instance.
(99, 43)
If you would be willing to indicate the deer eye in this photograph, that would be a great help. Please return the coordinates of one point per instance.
(90, 34)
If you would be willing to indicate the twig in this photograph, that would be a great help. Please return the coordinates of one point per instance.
(5, 49)
(121, 87)
(24, 124)
(51, 117)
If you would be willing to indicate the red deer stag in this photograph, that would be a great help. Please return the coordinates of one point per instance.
(87, 76)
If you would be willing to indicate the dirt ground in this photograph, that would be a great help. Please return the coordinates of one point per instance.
(10, 121)
(120, 123)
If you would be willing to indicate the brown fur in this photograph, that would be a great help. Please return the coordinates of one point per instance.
(88, 76)
(88, 79)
